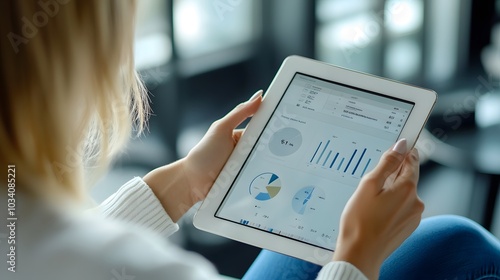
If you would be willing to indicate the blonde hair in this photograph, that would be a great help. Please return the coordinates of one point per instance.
(70, 94)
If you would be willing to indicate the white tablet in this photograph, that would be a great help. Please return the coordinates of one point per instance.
(320, 128)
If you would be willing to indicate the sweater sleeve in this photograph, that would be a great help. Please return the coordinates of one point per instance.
(136, 203)
(340, 271)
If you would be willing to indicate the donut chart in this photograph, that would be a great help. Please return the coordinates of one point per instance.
(265, 186)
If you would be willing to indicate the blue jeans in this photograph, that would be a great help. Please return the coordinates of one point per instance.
(444, 247)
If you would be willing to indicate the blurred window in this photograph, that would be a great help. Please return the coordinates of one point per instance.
(403, 52)
(379, 37)
(202, 27)
(348, 34)
(153, 44)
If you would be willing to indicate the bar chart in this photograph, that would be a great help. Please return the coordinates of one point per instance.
(348, 159)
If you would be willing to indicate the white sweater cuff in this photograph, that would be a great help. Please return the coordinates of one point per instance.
(341, 270)
(136, 203)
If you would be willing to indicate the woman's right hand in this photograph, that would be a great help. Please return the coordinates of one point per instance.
(384, 210)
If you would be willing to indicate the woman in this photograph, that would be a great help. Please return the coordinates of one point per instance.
(69, 98)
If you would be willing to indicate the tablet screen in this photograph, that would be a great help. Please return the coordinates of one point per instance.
(320, 140)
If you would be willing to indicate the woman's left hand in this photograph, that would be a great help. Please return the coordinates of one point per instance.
(181, 184)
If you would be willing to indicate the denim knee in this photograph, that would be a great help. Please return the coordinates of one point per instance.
(444, 247)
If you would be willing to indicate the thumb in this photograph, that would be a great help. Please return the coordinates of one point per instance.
(241, 112)
(390, 162)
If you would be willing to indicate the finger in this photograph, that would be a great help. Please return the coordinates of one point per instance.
(237, 134)
(389, 163)
(411, 168)
(241, 112)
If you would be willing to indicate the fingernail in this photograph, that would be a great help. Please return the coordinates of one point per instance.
(255, 95)
(400, 146)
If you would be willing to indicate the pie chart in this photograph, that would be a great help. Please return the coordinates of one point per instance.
(265, 186)
(308, 200)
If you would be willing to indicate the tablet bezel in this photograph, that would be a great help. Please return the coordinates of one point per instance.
(205, 219)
